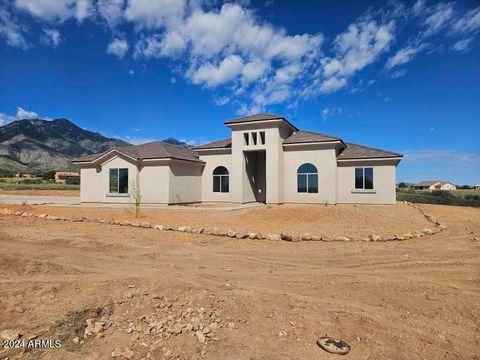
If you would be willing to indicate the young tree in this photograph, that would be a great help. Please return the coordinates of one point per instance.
(137, 197)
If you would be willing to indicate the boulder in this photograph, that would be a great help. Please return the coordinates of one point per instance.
(374, 237)
(158, 227)
(442, 227)
(231, 233)
(182, 228)
(286, 237)
(260, 236)
(306, 237)
(342, 238)
(240, 235)
(145, 224)
(274, 237)
(427, 231)
(252, 236)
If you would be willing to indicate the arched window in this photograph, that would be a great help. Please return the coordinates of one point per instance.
(307, 179)
(221, 182)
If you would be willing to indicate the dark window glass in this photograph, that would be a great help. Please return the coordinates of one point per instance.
(254, 138)
(113, 188)
(312, 183)
(245, 136)
(368, 178)
(302, 183)
(225, 184)
(307, 168)
(358, 178)
(123, 181)
(221, 179)
(262, 137)
(216, 184)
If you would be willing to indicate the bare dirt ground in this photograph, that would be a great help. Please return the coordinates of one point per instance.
(73, 193)
(415, 299)
(339, 220)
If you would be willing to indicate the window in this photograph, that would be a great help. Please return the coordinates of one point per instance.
(245, 136)
(262, 137)
(254, 138)
(307, 179)
(119, 181)
(221, 181)
(364, 178)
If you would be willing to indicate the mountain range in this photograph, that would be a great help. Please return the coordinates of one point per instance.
(36, 145)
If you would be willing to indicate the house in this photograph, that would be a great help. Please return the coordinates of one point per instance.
(62, 176)
(476, 187)
(267, 159)
(434, 185)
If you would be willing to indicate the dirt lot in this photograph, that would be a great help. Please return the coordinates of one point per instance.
(415, 299)
(357, 221)
(73, 193)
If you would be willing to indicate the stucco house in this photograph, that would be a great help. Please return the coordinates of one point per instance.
(267, 159)
(434, 185)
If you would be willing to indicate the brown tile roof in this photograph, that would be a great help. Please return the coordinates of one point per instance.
(355, 151)
(151, 150)
(427, 183)
(219, 144)
(303, 136)
(258, 117)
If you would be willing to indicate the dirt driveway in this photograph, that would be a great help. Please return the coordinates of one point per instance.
(415, 299)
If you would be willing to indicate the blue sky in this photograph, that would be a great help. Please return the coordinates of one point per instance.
(402, 75)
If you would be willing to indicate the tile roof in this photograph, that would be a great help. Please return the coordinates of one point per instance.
(355, 151)
(303, 136)
(151, 150)
(219, 144)
(258, 117)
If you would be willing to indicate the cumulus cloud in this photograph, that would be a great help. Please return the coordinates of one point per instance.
(56, 10)
(118, 48)
(211, 75)
(51, 37)
(20, 115)
(155, 13)
(112, 11)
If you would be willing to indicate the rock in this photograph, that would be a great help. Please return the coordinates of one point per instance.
(374, 237)
(334, 346)
(177, 328)
(76, 340)
(231, 325)
(475, 238)
(286, 237)
(231, 233)
(195, 323)
(443, 227)
(342, 238)
(241, 235)
(274, 237)
(213, 326)
(316, 237)
(10, 334)
(306, 237)
(145, 224)
(158, 227)
(215, 231)
(182, 228)
(98, 327)
(252, 236)
(427, 231)
(127, 353)
(200, 336)
(42, 216)
(135, 224)
(260, 236)
(77, 219)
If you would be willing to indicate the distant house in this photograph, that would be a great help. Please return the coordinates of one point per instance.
(267, 159)
(434, 185)
(476, 187)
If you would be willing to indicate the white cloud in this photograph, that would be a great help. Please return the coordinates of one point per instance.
(462, 45)
(418, 7)
(332, 84)
(440, 15)
(222, 100)
(329, 111)
(51, 37)
(56, 10)
(403, 56)
(155, 13)
(5, 119)
(11, 31)
(112, 11)
(118, 48)
(253, 71)
(211, 75)
(25, 114)
(468, 23)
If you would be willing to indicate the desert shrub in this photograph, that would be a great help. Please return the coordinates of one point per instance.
(49, 175)
(441, 193)
(429, 198)
(472, 197)
(32, 181)
(72, 180)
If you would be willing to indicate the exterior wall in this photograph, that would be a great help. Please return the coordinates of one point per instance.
(155, 183)
(326, 163)
(185, 182)
(448, 186)
(383, 184)
(212, 161)
(94, 181)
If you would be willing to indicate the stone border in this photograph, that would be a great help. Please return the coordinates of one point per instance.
(438, 227)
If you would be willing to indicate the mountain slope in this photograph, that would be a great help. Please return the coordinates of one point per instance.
(38, 145)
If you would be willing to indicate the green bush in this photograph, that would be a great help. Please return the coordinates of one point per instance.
(72, 180)
(441, 193)
(429, 198)
(49, 175)
(32, 181)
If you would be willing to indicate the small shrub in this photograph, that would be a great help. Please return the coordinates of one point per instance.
(32, 181)
(72, 180)
(49, 175)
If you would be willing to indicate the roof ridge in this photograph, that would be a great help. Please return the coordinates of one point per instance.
(318, 133)
(373, 148)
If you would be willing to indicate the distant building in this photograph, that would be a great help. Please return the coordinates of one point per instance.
(434, 185)
(476, 187)
(61, 176)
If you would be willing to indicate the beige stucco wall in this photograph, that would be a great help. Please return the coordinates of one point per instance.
(94, 181)
(448, 186)
(214, 159)
(383, 184)
(185, 182)
(325, 162)
(155, 183)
